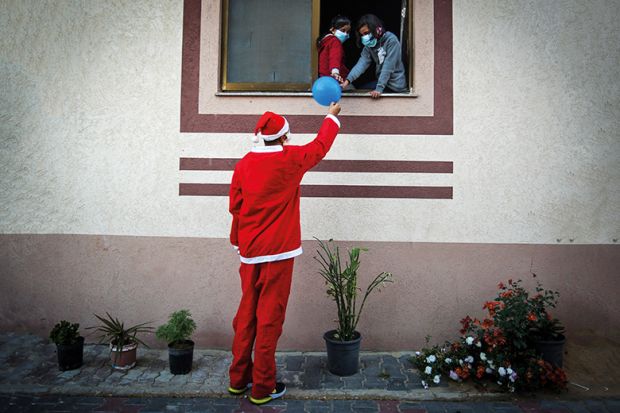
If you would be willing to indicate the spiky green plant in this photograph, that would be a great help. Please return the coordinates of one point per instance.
(113, 331)
(342, 286)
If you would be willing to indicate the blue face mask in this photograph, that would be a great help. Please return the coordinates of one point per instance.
(342, 36)
(368, 40)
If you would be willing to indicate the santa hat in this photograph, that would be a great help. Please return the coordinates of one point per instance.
(270, 127)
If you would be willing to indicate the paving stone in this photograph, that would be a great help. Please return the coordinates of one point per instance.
(435, 407)
(200, 407)
(69, 374)
(409, 407)
(452, 407)
(311, 376)
(290, 378)
(318, 406)
(613, 406)
(197, 376)
(148, 377)
(330, 381)
(595, 406)
(342, 406)
(375, 382)
(396, 384)
(370, 360)
(164, 376)
(353, 382)
(365, 406)
(294, 363)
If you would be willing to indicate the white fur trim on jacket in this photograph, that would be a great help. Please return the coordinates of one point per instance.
(271, 258)
(334, 118)
(267, 149)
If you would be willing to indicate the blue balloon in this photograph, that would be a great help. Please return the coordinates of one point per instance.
(326, 90)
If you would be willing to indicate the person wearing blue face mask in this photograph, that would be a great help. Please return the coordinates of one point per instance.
(331, 52)
(383, 49)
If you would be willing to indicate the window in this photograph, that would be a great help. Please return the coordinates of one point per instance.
(270, 45)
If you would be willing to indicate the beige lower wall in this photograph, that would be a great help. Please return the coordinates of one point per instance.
(45, 278)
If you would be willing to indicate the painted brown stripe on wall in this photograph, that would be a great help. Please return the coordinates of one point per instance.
(335, 191)
(329, 165)
(441, 123)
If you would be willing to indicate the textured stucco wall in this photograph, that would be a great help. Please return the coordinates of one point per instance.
(90, 144)
(435, 285)
(90, 129)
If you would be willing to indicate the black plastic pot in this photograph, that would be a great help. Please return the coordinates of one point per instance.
(70, 356)
(551, 351)
(343, 356)
(181, 355)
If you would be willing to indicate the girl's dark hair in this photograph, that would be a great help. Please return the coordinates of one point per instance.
(375, 25)
(337, 22)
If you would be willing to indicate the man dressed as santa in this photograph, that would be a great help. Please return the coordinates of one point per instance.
(264, 203)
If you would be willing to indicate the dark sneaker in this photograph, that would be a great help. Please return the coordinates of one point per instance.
(242, 390)
(275, 394)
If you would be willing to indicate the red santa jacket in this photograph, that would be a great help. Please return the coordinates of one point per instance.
(264, 196)
(331, 55)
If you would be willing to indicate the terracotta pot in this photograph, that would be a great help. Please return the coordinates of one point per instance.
(125, 358)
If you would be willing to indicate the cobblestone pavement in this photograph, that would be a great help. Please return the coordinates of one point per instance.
(28, 364)
(386, 383)
(29, 403)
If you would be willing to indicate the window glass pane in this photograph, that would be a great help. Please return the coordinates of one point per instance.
(269, 41)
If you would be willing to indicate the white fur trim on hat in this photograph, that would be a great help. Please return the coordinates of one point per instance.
(273, 137)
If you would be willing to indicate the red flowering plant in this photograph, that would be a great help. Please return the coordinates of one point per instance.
(542, 325)
(498, 347)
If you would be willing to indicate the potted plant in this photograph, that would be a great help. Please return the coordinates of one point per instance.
(176, 332)
(500, 348)
(123, 340)
(546, 332)
(69, 345)
(343, 343)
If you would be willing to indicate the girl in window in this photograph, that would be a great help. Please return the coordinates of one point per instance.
(331, 52)
(383, 49)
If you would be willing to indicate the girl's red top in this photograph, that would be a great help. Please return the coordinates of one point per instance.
(331, 55)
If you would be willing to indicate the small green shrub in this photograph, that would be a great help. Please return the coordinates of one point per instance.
(179, 327)
(65, 333)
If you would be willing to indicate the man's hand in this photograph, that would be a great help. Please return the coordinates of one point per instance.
(345, 84)
(334, 109)
(375, 94)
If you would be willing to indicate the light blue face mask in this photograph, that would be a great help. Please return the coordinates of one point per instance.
(368, 40)
(342, 36)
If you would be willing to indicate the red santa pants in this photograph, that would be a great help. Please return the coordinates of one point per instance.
(265, 290)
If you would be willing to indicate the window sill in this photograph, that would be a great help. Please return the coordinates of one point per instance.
(357, 94)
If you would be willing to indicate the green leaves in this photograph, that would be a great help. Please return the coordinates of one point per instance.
(341, 281)
(65, 333)
(179, 327)
(113, 331)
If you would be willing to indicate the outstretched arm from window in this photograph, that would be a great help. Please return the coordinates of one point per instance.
(360, 67)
